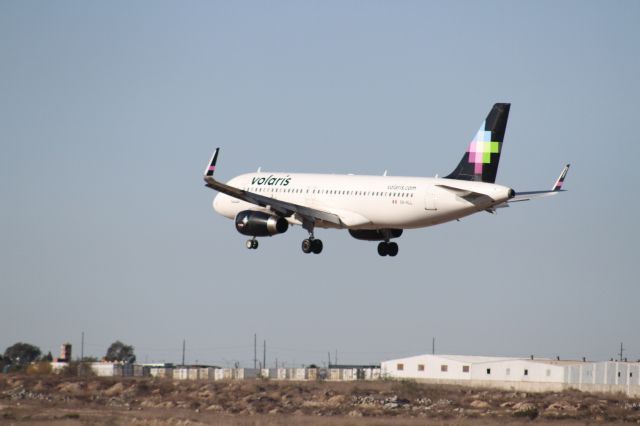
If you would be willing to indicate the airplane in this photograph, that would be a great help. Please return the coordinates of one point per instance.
(371, 208)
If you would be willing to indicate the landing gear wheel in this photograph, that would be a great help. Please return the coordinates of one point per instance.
(383, 249)
(316, 246)
(252, 244)
(392, 248)
(307, 245)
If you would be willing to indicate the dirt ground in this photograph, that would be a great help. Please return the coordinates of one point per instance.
(53, 400)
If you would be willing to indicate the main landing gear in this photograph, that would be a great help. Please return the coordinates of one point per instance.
(311, 245)
(252, 244)
(387, 249)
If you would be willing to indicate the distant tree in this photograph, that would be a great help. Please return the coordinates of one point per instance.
(118, 351)
(48, 357)
(21, 354)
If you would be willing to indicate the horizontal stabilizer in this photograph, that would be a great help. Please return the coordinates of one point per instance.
(530, 195)
(470, 196)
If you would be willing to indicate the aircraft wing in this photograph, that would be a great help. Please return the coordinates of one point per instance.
(280, 207)
(530, 195)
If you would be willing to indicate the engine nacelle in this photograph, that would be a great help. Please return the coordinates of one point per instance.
(375, 234)
(260, 224)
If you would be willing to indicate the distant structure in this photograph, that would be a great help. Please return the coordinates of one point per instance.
(65, 353)
(62, 362)
(529, 374)
(525, 374)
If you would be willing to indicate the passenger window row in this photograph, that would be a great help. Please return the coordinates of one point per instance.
(331, 192)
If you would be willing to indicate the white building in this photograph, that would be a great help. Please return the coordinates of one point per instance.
(245, 373)
(434, 367)
(106, 369)
(520, 370)
(532, 374)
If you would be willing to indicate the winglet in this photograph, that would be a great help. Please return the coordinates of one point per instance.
(558, 185)
(208, 172)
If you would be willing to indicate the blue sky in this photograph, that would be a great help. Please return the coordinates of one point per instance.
(109, 112)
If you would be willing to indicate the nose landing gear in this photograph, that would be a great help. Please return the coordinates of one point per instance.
(252, 244)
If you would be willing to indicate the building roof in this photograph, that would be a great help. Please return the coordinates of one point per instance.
(468, 359)
(346, 366)
(475, 359)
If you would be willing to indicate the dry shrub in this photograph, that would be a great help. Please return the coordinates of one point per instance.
(164, 387)
(39, 368)
(142, 388)
(407, 389)
(77, 369)
(530, 411)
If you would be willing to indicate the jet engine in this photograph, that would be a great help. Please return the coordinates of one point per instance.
(260, 224)
(375, 234)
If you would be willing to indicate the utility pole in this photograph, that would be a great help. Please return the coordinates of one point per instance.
(621, 351)
(82, 348)
(336, 358)
(255, 351)
(264, 354)
(433, 346)
(183, 349)
(329, 365)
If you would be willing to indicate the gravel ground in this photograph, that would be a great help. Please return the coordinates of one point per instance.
(54, 400)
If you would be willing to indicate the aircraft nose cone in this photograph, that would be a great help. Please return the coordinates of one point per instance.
(216, 203)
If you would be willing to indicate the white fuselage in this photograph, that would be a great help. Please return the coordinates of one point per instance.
(367, 202)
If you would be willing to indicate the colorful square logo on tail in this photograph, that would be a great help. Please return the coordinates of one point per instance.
(481, 148)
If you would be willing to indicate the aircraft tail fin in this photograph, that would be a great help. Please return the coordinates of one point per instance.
(480, 162)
